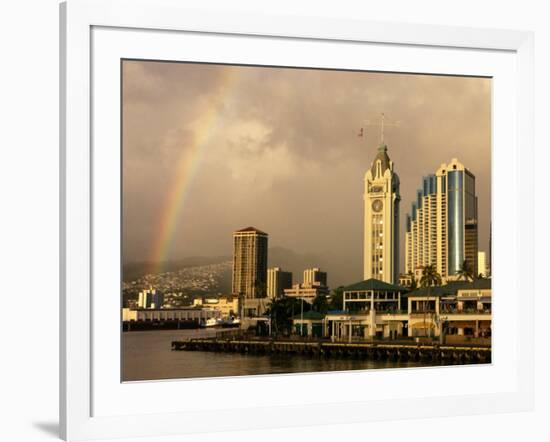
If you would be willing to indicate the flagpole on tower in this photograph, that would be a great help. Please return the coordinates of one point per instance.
(382, 124)
(382, 129)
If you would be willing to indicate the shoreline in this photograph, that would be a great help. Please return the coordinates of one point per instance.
(376, 351)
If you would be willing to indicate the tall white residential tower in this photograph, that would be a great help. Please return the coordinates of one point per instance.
(441, 229)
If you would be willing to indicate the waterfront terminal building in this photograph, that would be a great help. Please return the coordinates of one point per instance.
(456, 312)
(157, 318)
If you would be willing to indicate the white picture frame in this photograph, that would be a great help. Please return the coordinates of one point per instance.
(87, 411)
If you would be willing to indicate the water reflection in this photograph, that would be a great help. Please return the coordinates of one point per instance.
(147, 356)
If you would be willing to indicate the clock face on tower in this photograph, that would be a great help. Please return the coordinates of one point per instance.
(377, 205)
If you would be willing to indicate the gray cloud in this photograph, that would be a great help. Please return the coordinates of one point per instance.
(282, 153)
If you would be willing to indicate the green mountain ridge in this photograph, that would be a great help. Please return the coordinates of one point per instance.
(340, 272)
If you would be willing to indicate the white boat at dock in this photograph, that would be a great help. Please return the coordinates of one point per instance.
(229, 322)
(221, 322)
(211, 322)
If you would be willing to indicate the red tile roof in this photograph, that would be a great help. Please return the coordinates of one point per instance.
(251, 229)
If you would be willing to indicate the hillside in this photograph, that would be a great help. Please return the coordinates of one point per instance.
(211, 275)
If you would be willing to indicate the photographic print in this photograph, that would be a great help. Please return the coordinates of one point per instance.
(290, 220)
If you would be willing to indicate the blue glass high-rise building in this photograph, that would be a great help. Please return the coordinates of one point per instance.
(441, 229)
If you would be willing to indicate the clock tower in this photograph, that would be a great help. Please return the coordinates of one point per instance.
(381, 199)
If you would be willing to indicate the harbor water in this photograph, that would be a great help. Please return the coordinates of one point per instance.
(147, 355)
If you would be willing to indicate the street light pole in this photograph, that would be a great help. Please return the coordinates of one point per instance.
(441, 324)
(302, 319)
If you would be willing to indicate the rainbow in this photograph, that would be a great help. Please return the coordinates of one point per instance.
(186, 169)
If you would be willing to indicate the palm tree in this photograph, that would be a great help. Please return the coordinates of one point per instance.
(429, 278)
(282, 311)
(337, 299)
(413, 285)
(465, 271)
(260, 289)
(260, 293)
(320, 304)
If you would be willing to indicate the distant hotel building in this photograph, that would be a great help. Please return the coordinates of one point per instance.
(381, 229)
(307, 292)
(277, 281)
(315, 275)
(315, 284)
(249, 263)
(441, 229)
(150, 299)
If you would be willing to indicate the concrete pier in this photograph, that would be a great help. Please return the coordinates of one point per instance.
(454, 354)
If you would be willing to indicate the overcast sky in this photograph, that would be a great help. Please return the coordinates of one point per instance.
(278, 149)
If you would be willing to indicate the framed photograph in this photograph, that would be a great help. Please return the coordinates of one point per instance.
(329, 221)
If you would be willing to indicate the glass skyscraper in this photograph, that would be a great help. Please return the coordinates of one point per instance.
(441, 229)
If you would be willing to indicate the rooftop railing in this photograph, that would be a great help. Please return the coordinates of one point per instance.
(392, 312)
(469, 311)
